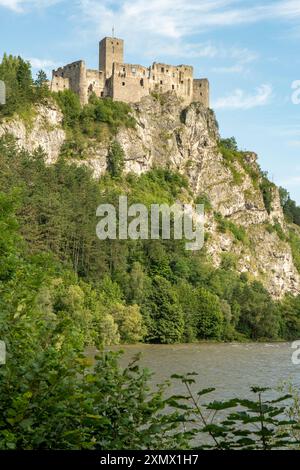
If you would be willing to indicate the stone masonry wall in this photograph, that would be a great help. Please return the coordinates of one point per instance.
(129, 82)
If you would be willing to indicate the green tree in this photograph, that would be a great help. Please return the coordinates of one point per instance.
(167, 323)
(115, 159)
(209, 319)
(41, 79)
(130, 323)
(259, 315)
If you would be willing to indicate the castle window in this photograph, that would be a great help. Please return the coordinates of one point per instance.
(123, 83)
(117, 43)
(173, 87)
(161, 82)
(124, 70)
(162, 69)
(102, 94)
(142, 82)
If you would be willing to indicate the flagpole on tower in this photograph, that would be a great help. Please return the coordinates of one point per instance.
(113, 32)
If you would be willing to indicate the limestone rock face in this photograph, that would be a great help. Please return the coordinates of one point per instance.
(44, 130)
(186, 140)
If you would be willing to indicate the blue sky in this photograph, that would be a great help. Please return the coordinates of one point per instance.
(249, 50)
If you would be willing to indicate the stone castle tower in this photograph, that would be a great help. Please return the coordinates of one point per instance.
(111, 50)
(128, 82)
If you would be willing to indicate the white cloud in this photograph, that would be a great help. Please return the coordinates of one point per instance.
(178, 18)
(237, 68)
(239, 99)
(241, 57)
(42, 63)
(19, 6)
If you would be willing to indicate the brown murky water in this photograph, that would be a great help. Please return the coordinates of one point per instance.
(231, 368)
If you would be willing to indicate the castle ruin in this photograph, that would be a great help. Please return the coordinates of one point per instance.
(128, 82)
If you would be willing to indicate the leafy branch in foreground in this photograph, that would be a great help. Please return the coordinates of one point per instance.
(240, 424)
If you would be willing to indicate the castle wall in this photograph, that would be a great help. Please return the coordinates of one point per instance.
(179, 79)
(130, 82)
(95, 83)
(59, 83)
(201, 91)
(73, 77)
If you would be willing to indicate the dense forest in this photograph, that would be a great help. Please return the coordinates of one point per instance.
(62, 289)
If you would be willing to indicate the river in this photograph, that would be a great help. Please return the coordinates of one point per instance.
(231, 368)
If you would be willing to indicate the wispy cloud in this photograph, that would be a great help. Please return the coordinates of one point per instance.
(239, 99)
(241, 58)
(179, 18)
(237, 68)
(42, 63)
(20, 6)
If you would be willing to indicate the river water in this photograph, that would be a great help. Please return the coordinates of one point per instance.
(231, 368)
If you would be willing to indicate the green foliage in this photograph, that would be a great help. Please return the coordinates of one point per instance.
(166, 323)
(277, 228)
(237, 231)
(41, 79)
(231, 157)
(235, 158)
(267, 189)
(208, 317)
(21, 93)
(294, 241)
(290, 208)
(99, 120)
(115, 159)
(70, 105)
(230, 144)
(238, 424)
(290, 317)
(139, 284)
(204, 199)
(228, 261)
(259, 316)
(130, 323)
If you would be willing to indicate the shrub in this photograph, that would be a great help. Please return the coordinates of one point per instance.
(204, 199)
(267, 188)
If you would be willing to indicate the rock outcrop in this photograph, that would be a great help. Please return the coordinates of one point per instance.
(42, 129)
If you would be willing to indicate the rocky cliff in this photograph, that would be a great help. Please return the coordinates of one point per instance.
(166, 134)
